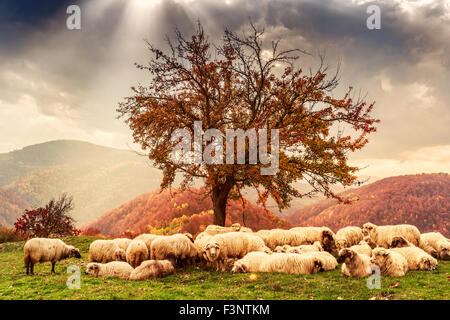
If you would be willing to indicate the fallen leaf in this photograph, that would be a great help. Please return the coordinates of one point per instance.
(340, 298)
(395, 284)
(373, 298)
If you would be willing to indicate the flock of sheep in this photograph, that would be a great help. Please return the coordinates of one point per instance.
(394, 249)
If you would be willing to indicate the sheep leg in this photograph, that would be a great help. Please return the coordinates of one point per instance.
(53, 267)
(32, 268)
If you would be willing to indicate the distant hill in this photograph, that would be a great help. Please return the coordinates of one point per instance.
(99, 178)
(422, 200)
(179, 211)
(11, 207)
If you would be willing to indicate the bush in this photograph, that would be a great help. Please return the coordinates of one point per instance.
(8, 234)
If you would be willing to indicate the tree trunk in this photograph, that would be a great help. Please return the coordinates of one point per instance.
(219, 199)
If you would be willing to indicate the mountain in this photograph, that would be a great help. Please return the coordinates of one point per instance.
(99, 178)
(178, 211)
(422, 200)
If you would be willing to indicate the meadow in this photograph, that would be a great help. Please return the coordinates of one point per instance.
(205, 283)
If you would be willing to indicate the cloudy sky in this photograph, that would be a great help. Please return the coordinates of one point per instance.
(57, 83)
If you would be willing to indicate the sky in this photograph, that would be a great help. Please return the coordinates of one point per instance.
(57, 83)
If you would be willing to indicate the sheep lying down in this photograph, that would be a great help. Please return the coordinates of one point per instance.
(118, 269)
(43, 250)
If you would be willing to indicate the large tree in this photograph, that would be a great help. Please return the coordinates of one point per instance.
(242, 84)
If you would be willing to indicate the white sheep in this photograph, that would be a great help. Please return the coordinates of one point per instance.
(152, 269)
(279, 237)
(383, 235)
(291, 263)
(43, 250)
(224, 246)
(123, 243)
(148, 239)
(250, 263)
(104, 251)
(355, 264)
(322, 234)
(178, 248)
(328, 261)
(391, 263)
(417, 258)
(315, 247)
(362, 248)
(438, 242)
(117, 269)
(137, 252)
(348, 236)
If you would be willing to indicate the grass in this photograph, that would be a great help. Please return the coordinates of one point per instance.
(205, 283)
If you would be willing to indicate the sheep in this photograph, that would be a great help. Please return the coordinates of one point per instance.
(255, 243)
(117, 269)
(382, 235)
(123, 243)
(213, 229)
(315, 247)
(328, 261)
(279, 237)
(370, 242)
(391, 263)
(355, 264)
(322, 234)
(43, 250)
(348, 236)
(291, 263)
(152, 269)
(438, 242)
(137, 252)
(148, 239)
(263, 234)
(250, 263)
(226, 245)
(362, 248)
(417, 258)
(400, 242)
(104, 251)
(179, 248)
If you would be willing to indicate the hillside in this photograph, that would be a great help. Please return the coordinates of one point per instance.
(422, 200)
(11, 206)
(181, 211)
(99, 178)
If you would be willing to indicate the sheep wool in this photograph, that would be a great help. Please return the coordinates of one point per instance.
(322, 234)
(178, 248)
(148, 239)
(438, 242)
(291, 263)
(43, 250)
(137, 252)
(279, 237)
(362, 248)
(348, 236)
(123, 243)
(327, 260)
(390, 262)
(104, 251)
(383, 235)
(417, 258)
(118, 269)
(152, 269)
(250, 263)
(355, 264)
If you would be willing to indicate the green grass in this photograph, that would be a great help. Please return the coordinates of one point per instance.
(205, 283)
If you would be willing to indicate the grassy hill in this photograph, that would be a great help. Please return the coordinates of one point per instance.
(178, 211)
(99, 178)
(422, 200)
(203, 283)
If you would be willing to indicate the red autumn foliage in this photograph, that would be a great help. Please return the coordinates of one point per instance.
(190, 209)
(49, 221)
(422, 200)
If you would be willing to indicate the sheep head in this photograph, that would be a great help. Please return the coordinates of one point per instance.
(427, 264)
(189, 236)
(93, 269)
(347, 255)
(318, 267)
(398, 242)
(444, 249)
(328, 241)
(341, 244)
(236, 226)
(239, 267)
(368, 228)
(379, 256)
(74, 252)
(212, 251)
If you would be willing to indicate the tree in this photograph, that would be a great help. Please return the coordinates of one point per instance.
(241, 84)
(49, 221)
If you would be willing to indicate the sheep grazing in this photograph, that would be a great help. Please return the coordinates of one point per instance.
(291, 263)
(148, 239)
(355, 264)
(362, 248)
(327, 260)
(279, 237)
(391, 263)
(43, 250)
(137, 252)
(123, 243)
(348, 236)
(438, 242)
(118, 269)
(383, 235)
(179, 248)
(104, 251)
(152, 269)
(417, 258)
(313, 234)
